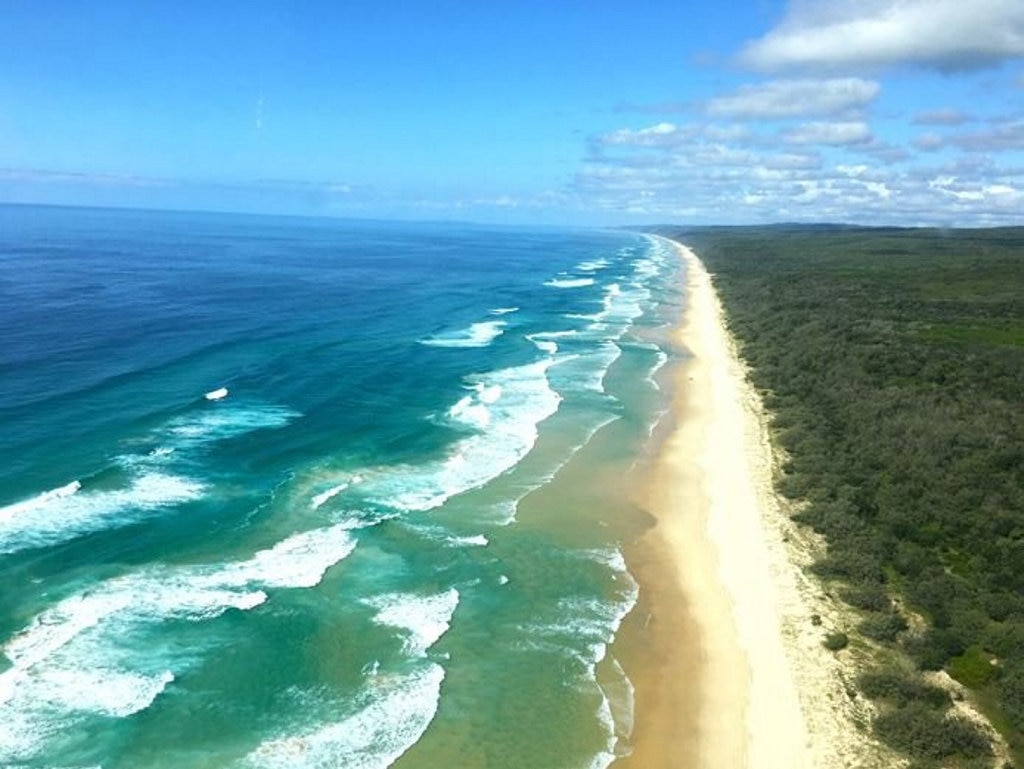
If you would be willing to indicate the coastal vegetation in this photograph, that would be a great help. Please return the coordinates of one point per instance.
(892, 363)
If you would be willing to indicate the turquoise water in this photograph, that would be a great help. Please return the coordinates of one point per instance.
(282, 492)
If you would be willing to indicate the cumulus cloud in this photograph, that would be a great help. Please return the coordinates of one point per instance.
(836, 192)
(929, 142)
(781, 99)
(942, 117)
(660, 135)
(998, 139)
(852, 34)
(813, 171)
(832, 134)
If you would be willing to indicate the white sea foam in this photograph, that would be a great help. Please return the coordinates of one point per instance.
(583, 631)
(620, 695)
(206, 426)
(325, 496)
(40, 501)
(393, 710)
(216, 395)
(516, 400)
(587, 625)
(504, 310)
(471, 412)
(645, 268)
(569, 282)
(487, 393)
(545, 340)
(544, 345)
(592, 366)
(192, 592)
(107, 692)
(565, 334)
(424, 619)
(57, 517)
(660, 359)
(75, 509)
(85, 654)
(593, 265)
(478, 335)
(395, 713)
(615, 714)
(477, 540)
(500, 513)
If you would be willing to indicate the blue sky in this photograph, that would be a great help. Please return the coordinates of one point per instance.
(866, 111)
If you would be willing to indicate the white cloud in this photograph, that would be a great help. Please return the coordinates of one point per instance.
(816, 171)
(664, 136)
(660, 135)
(942, 117)
(780, 99)
(929, 142)
(1001, 138)
(832, 134)
(945, 34)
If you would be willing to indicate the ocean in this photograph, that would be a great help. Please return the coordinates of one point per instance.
(284, 492)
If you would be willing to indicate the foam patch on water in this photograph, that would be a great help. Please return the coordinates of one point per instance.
(107, 692)
(476, 540)
(587, 625)
(88, 655)
(593, 265)
(328, 495)
(585, 629)
(395, 714)
(219, 423)
(589, 368)
(474, 410)
(423, 619)
(504, 310)
(393, 711)
(544, 345)
(71, 511)
(477, 335)
(75, 509)
(321, 499)
(503, 415)
(621, 306)
(40, 501)
(569, 282)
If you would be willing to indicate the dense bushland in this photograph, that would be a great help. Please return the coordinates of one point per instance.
(893, 363)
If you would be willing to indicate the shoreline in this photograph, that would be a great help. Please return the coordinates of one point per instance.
(728, 667)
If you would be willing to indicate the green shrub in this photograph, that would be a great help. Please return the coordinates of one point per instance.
(869, 597)
(883, 627)
(900, 689)
(836, 641)
(924, 732)
(973, 668)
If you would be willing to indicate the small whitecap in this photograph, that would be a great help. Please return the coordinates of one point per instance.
(215, 395)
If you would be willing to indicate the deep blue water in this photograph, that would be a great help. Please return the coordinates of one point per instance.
(327, 566)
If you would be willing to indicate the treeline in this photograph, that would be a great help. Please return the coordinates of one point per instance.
(893, 363)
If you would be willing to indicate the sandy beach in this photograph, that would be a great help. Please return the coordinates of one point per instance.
(729, 668)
